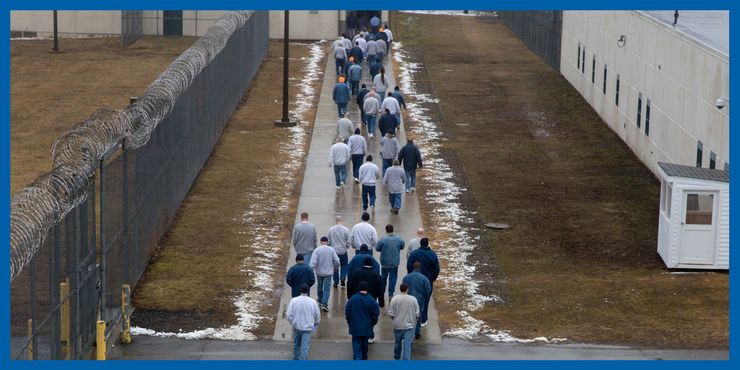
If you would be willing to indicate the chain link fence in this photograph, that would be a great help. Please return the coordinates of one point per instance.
(540, 30)
(132, 26)
(82, 231)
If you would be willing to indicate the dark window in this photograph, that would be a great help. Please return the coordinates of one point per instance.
(639, 109)
(593, 70)
(712, 160)
(616, 96)
(699, 153)
(583, 60)
(647, 118)
(604, 89)
(578, 56)
(727, 167)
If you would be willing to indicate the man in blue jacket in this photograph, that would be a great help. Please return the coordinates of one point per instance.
(421, 289)
(341, 96)
(298, 275)
(429, 267)
(390, 257)
(357, 53)
(359, 258)
(361, 312)
(355, 75)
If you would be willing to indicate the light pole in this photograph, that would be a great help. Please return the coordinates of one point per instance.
(285, 121)
(55, 47)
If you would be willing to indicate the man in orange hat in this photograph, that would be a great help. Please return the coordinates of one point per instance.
(341, 96)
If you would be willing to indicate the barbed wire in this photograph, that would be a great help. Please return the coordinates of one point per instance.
(42, 205)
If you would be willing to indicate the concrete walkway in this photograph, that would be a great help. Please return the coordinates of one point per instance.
(323, 202)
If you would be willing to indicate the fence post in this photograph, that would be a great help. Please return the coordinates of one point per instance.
(100, 340)
(30, 334)
(126, 314)
(65, 313)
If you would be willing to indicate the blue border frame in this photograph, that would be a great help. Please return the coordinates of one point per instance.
(8, 5)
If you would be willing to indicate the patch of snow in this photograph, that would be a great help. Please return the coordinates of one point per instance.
(471, 13)
(259, 280)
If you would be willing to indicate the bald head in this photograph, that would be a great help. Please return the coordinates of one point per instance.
(420, 232)
(338, 219)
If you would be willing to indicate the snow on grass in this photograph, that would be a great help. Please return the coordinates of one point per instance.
(262, 250)
(471, 13)
(449, 216)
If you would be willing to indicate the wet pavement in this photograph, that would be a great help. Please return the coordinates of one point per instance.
(322, 201)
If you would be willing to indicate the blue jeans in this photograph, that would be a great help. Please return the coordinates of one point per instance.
(389, 276)
(356, 163)
(368, 192)
(359, 348)
(395, 200)
(380, 56)
(371, 120)
(355, 85)
(425, 311)
(301, 344)
(323, 288)
(341, 109)
(340, 173)
(340, 65)
(307, 258)
(410, 179)
(381, 96)
(405, 336)
(398, 118)
(343, 267)
(387, 163)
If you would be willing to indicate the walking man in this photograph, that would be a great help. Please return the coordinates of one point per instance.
(355, 75)
(400, 99)
(340, 54)
(390, 104)
(359, 258)
(304, 238)
(370, 107)
(410, 158)
(303, 314)
(390, 257)
(389, 148)
(325, 261)
(357, 150)
(369, 276)
(421, 289)
(361, 313)
(369, 176)
(299, 275)
(363, 233)
(341, 96)
(388, 123)
(394, 179)
(338, 157)
(428, 266)
(340, 239)
(344, 128)
(361, 101)
(405, 312)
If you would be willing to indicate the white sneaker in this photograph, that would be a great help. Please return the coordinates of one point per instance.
(413, 189)
(424, 324)
(357, 180)
(371, 340)
(339, 187)
(372, 209)
(370, 135)
(341, 184)
(408, 190)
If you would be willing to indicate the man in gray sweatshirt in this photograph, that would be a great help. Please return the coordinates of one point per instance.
(340, 239)
(394, 179)
(325, 261)
(404, 310)
(389, 148)
(304, 238)
(339, 156)
(345, 128)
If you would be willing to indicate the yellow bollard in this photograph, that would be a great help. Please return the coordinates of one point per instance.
(30, 335)
(126, 313)
(100, 339)
(65, 317)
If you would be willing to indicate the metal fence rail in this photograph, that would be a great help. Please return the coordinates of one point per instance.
(541, 31)
(82, 232)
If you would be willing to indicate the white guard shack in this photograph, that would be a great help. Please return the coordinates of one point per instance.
(694, 225)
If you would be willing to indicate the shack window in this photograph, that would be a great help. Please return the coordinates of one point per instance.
(699, 209)
(665, 200)
(712, 160)
(699, 153)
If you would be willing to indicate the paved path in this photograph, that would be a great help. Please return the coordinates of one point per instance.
(323, 202)
(152, 348)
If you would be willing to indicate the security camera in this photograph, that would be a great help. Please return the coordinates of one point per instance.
(720, 103)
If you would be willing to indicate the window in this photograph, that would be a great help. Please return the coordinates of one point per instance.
(712, 160)
(666, 198)
(699, 209)
(604, 89)
(583, 61)
(699, 153)
(593, 70)
(639, 109)
(647, 118)
(578, 57)
(616, 96)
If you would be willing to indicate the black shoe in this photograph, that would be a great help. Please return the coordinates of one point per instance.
(343, 284)
(335, 285)
(417, 336)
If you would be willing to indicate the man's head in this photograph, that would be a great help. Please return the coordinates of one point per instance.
(364, 248)
(367, 261)
(324, 240)
(364, 286)
(397, 88)
(417, 266)
(344, 35)
(304, 289)
(387, 111)
(369, 158)
(365, 216)
(420, 232)
(304, 216)
(389, 94)
(404, 287)
(357, 43)
(364, 86)
(409, 141)
(424, 242)
(389, 228)
(341, 79)
(396, 162)
(338, 219)
(299, 258)
(357, 131)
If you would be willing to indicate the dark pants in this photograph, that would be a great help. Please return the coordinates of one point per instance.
(341, 274)
(395, 200)
(425, 311)
(341, 109)
(356, 163)
(355, 85)
(362, 113)
(339, 64)
(359, 348)
(387, 163)
(368, 192)
(389, 276)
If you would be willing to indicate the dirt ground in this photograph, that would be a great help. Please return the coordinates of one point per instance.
(580, 260)
(199, 265)
(50, 93)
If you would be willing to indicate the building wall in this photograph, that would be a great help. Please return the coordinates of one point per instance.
(680, 77)
(306, 24)
(69, 22)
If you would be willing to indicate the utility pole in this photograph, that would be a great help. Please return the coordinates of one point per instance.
(285, 121)
(55, 48)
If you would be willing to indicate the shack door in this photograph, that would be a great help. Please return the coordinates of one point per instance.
(698, 228)
(172, 22)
